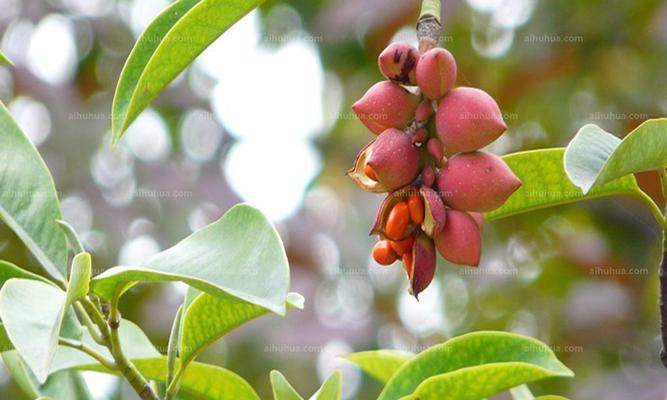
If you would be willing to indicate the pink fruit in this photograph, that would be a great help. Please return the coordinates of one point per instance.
(428, 176)
(468, 119)
(436, 73)
(394, 159)
(424, 111)
(435, 149)
(460, 242)
(477, 181)
(398, 63)
(386, 105)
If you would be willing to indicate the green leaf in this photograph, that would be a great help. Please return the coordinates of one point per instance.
(201, 381)
(522, 392)
(9, 271)
(551, 397)
(208, 318)
(28, 200)
(241, 255)
(545, 184)
(5, 60)
(62, 385)
(79, 280)
(450, 370)
(282, 390)
(32, 313)
(380, 364)
(330, 389)
(169, 44)
(595, 157)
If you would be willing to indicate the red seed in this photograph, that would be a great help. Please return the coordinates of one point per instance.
(370, 172)
(383, 253)
(398, 221)
(402, 246)
(416, 208)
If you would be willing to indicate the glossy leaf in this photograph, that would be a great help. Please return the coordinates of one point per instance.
(241, 255)
(380, 364)
(281, 388)
(595, 157)
(79, 280)
(28, 200)
(208, 318)
(9, 271)
(330, 389)
(449, 370)
(545, 184)
(32, 313)
(169, 44)
(201, 381)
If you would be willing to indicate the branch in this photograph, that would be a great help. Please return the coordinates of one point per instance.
(429, 28)
(662, 274)
(107, 363)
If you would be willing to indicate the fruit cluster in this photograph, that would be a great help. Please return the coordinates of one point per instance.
(426, 157)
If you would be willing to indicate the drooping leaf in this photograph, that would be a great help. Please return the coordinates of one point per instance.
(32, 313)
(79, 280)
(62, 385)
(545, 184)
(208, 318)
(170, 43)
(282, 390)
(380, 364)
(449, 370)
(330, 389)
(28, 200)
(595, 157)
(241, 255)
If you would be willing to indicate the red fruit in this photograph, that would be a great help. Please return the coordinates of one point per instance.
(423, 264)
(468, 119)
(424, 111)
(401, 247)
(477, 181)
(408, 264)
(398, 63)
(383, 253)
(368, 170)
(416, 209)
(394, 159)
(381, 219)
(436, 73)
(435, 149)
(420, 135)
(460, 241)
(398, 221)
(386, 105)
(428, 176)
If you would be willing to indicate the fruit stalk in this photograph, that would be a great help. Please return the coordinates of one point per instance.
(429, 28)
(662, 274)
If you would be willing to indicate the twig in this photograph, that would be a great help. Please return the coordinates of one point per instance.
(662, 274)
(107, 363)
(429, 27)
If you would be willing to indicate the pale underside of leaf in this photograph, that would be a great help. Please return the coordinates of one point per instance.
(595, 157)
(28, 199)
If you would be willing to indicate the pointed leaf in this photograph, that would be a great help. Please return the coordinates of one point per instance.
(28, 200)
(595, 157)
(545, 184)
(241, 255)
(483, 355)
(282, 390)
(208, 318)
(330, 389)
(169, 44)
(79, 280)
(5, 60)
(380, 364)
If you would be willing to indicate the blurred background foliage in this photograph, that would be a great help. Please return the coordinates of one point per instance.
(264, 116)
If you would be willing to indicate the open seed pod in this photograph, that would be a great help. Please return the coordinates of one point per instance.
(393, 198)
(435, 214)
(359, 175)
(423, 264)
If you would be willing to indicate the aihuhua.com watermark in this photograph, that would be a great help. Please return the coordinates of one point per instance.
(163, 194)
(507, 116)
(555, 348)
(88, 116)
(533, 38)
(350, 115)
(606, 270)
(290, 37)
(548, 194)
(613, 116)
(488, 271)
(291, 348)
